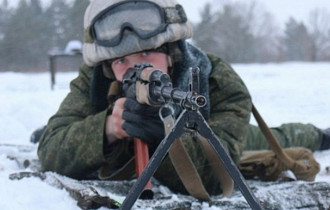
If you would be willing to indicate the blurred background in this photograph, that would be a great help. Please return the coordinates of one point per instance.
(238, 31)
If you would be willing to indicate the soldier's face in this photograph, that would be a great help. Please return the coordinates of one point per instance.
(157, 59)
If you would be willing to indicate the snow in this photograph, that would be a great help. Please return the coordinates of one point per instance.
(289, 92)
(72, 46)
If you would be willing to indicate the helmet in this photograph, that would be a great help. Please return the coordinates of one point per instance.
(115, 28)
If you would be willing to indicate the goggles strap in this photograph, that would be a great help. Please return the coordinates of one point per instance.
(175, 14)
(87, 35)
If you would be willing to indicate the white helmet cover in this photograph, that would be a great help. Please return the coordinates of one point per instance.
(130, 43)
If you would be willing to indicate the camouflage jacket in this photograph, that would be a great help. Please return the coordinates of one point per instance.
(74, 141)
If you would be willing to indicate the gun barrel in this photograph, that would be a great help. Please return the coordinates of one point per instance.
(185, 99)
(200, 100)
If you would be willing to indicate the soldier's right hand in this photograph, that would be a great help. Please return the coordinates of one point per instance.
(114, 122)
(142, 121)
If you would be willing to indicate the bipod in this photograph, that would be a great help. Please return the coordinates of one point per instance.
(189, 119)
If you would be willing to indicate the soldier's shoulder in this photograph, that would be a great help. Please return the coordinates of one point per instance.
(220, 68)
(218, 64)
(86, 70)
(82, 81)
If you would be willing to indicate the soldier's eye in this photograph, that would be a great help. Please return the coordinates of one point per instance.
(120, 61)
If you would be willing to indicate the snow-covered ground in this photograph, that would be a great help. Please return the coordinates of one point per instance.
(290, 92)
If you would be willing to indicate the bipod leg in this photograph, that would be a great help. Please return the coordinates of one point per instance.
(206, 132)
(155, 161)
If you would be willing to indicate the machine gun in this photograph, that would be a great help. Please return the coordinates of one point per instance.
(152, 86)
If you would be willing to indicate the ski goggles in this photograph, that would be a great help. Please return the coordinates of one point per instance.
(146, 19)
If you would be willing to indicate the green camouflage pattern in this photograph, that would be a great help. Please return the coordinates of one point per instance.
(72, 144)
(288, 135)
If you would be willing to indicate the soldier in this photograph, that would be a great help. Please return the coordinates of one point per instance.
(94, 127)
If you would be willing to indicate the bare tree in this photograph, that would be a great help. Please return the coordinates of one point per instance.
(238, 32)
(202, 30)
(319, 27)
(265, 30)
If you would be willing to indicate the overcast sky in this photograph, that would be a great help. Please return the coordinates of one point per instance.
(281, 9)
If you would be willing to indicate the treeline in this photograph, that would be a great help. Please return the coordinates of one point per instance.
(29, 32)
(246, 33)
(238, 32)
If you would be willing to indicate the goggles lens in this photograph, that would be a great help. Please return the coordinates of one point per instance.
(144, 18)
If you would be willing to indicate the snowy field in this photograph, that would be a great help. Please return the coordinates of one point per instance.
(290, 92)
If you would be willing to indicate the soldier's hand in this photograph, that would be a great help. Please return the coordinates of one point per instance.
(114, 122)
(143, 121)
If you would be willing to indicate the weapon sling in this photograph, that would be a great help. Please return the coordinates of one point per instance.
(187, 170)
(274, 145)
(297, 159)
(161, 151)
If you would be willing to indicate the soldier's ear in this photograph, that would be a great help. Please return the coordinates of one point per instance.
(99, 88)
(107, 70)
(170, 66)
(169, 61)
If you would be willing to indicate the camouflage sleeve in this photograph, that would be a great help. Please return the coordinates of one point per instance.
(230, 106)
(72, 144)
